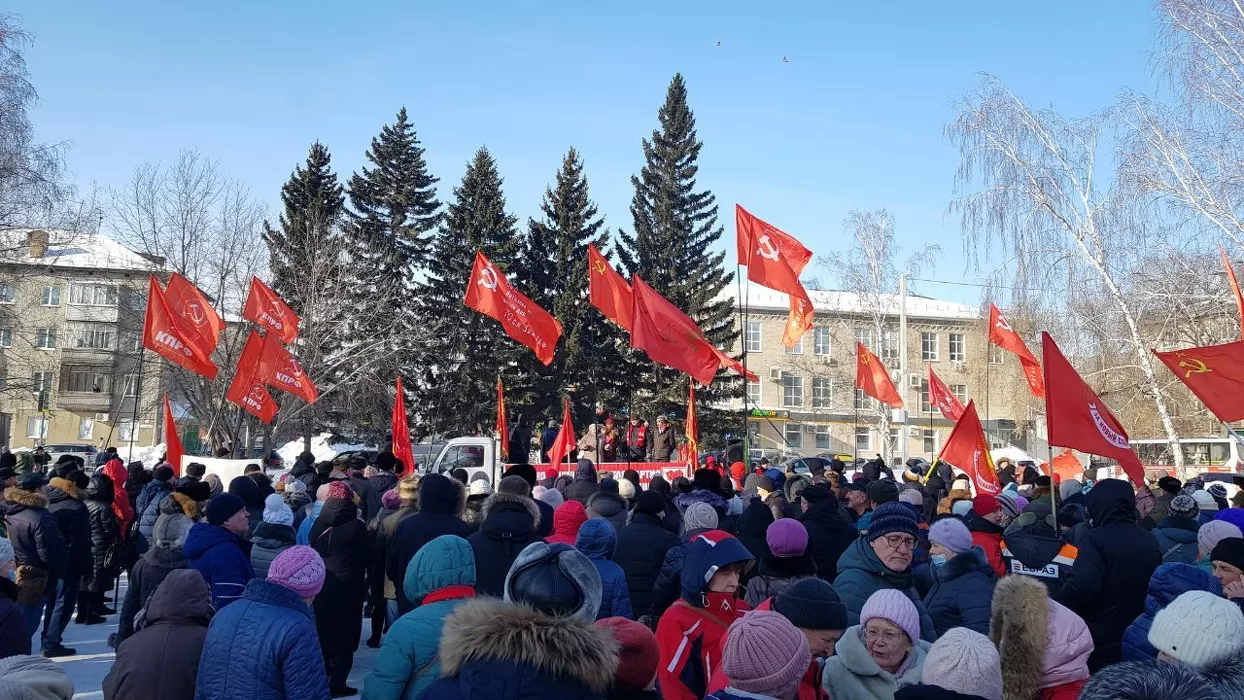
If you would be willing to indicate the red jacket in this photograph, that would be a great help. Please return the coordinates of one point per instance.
(1066, 691)
(992, 544)
(121, 507)
(691, 641)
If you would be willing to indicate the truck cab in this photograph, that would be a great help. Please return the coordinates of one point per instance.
(474, 454)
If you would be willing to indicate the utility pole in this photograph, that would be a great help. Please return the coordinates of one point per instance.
(902, 363)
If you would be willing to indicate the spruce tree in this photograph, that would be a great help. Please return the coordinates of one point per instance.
(457, 390)
(552, 270)
(671, 248)
(307, 235)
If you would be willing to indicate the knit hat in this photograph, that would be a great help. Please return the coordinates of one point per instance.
(892, 517)
(1198, 628)
(893, 605)
(1229, 551)
(813, 604)
(912, 496)
(1184, 506)
(6, 551)
(638, 655)
(276, 512)
(514, 485)
(961, 484)
(300, 569)
(626, 489)
(882, 492)
(480, 487)
(321, 493)
(33, 678)
(296, 486)
(1068, 488)
(699, 516)
(961, 508)
(965, 662)
(1216, 491)
(223, 507)
(765, 654)
(738, 471)
(952, 534)
(787, 537)
(338, 489)
(553, 497)
(408, 489)
(1204, 501)
(763, 483)
(649, 502)
(1216, 531)
(1009, 504)
(390, 500)
(985, 503)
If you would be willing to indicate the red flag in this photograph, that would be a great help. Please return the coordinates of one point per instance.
(566, 440)
(607, 290)
(874, 378)
(669, 336)
(1065, 465)
(775, 259)
(967, 449)
(730, 363)
(401, 432)
(941, 396)
(1078, 419)
(164, 333)
(1235, 285)
(265, 309)
(491, 294)
(692, 428)
(246, 390)
(503, 427)
(278, 369)
(1004, 336)
(196, 313)
(172, 444)
(1215, 373)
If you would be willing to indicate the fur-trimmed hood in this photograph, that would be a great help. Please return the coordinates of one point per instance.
(1227, 676)
(565, 647)
(189, 507)
(1041, 643)
(24, 498)
(66, 486)
(511, 503)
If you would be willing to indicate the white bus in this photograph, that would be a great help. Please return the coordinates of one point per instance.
(1216, 454)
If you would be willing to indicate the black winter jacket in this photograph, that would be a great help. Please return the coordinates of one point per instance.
(33, 531)
(509, 525)
(829, 535)
(104, 532)
(376, 487)
(150, 571)
(65, 503)
(14, 635)
(440, 501)
(668, 587)
(641, 550)
(341, 540)
(962, 593)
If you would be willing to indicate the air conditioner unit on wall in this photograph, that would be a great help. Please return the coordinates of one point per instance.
(102, 417)
(914, 380)
(775, 373)
(913, 431)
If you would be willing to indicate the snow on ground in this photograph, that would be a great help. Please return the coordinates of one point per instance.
(323, 451)
(94, 658)
(149, 456)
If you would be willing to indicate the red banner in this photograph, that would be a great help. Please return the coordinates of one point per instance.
(566, 441)
(265, 309)
(940, 395)
(1004, 336)
(246, 390)
(669, 336)
(401, 432)
(692, 427)
(164, 333)
(968, 450)
(172, 444)
(775, 259)
(608, 291)
(195, 312)
(1215, 373)
(1235, 285)
(490, 293)
(874, 378)
(503, 426)
(278, 369)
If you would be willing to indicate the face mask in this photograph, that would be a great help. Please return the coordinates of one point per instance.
(938, 559)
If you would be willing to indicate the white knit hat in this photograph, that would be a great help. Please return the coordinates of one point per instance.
(1198, 628)
(276, 512)
(626, 489)
(1204, 501)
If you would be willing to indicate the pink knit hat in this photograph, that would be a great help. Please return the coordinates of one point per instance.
(895, 606)
(300, 569)
(338, 489)
(765, 654)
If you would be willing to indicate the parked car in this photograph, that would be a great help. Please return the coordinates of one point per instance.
(84, 452)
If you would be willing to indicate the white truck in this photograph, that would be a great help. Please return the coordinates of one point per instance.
(483, 454)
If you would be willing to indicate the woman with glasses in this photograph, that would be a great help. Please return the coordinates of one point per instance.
(880, 655)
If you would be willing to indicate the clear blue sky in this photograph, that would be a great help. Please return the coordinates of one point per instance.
(854, 120)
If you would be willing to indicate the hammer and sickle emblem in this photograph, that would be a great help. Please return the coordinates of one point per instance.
(1004, 325)
(488, 278)
(1194, 366)
(865, 358)
(767, 249)
(194, 313)
(599, 266)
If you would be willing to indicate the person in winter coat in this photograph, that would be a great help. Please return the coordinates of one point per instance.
(1032, 545)
(1044, 647)
(598, 541)
(567, 520)
(397, 504)
(706, 488)
(440, 500)
(787, 562)
(641, 549)
(764, 657)
(1110, 578)
(882, 560)
(34, 678)
(636, 676)
(246, 489)
(692, 632)
(14, 634)
(1198, 629)
(164, 557)
(1208, 537)
(99, 495)
(156, 495)
(264, 646)
(486, 648)
(1176, 534)
(161, 659)
(509, 525)
(440, 578)
(1169, 581)
(987, 521)
(664, 441)
(274, 535)
(700, 518)
(584, 485)
(478, 491)
(216, 549)
(340, 538)
(37, 543)
(607, 503)
(882, 654)
(961, 664)
(298, 500)
(963, 581)
(384, 480)
(65, 504)
(160, 486)
(122, 507)
(829, 533)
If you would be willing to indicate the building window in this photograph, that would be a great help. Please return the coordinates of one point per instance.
(8, 293)
(822, 437)
(928, 347)
(863, 440)
(889, 345)
(797, 350)
(93, 336)
(126, 430)
(822, 392)
(85, 379)
(792, 390)
(131, 386)
(995, 355)
(45, 338)
(794, 435)
(820, 340)
(926, 404)
(958, 348)
(37, 427)
(6, 337)
(753, 393)
(51, 296)
(41, 382)
(751, 336)
(86, 427)
(930, 441)
(92, 294)
(864, 336)
(861, 400)
(961, 392)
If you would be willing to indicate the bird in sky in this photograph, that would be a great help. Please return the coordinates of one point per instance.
(785, 60)
(717, 43)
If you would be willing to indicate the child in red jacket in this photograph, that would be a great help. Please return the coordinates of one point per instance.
(692, 633)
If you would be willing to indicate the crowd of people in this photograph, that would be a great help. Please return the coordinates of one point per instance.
(733, 584)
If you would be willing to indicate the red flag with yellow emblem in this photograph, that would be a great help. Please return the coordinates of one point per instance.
(967, 449)
(874, 378)
(1215, 373)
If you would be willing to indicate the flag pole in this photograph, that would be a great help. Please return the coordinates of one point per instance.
(745, 312)
(138, 397)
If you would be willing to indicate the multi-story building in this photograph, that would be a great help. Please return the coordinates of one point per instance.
(71, 319)
(806, 401)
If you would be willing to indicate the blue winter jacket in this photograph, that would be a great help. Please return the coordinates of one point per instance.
(263, 647)
(304, 529)
(1169, 581)
(223, 558)
(861, 574)
(408, 663)
(148, 516)
(1176, 538)
(962, 593)
(598, 540)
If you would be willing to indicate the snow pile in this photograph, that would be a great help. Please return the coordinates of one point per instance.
(320, 447)
(149, 456)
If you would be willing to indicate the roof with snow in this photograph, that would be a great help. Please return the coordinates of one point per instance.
(760, 298)
(73, 249)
